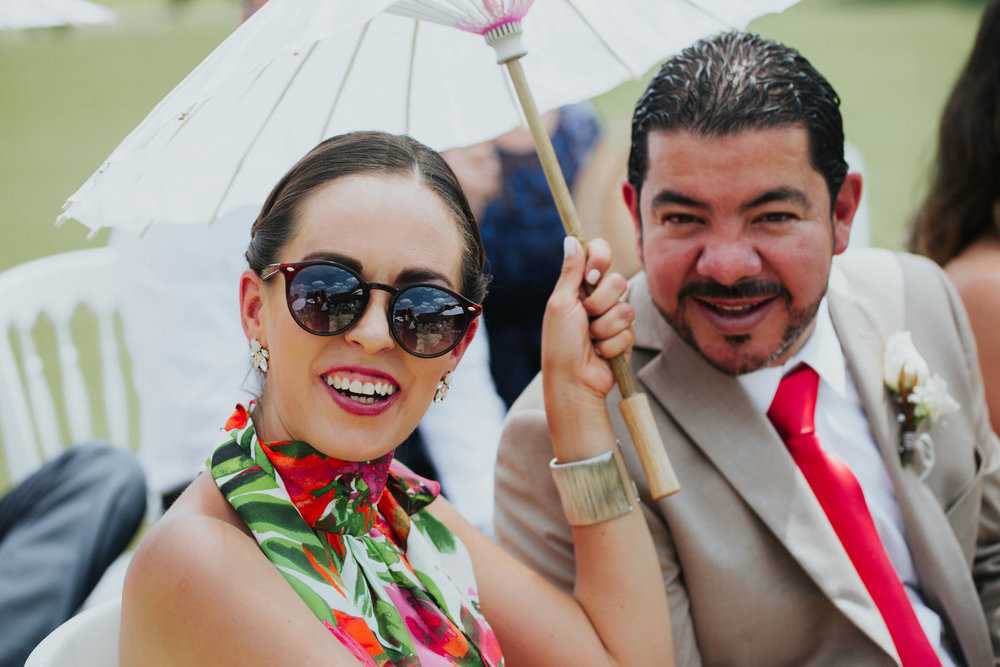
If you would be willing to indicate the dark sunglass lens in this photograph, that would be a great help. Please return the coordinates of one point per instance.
(325, 299)
(427, 320)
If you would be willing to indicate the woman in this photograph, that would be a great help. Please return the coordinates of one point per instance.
(291, 553)
(958, 225)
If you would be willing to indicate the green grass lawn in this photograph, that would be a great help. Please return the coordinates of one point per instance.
(69, 96)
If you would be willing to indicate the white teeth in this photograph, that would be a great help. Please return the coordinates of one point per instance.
(364, 391)
(384, 389)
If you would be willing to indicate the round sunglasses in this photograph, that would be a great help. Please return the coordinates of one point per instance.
(326, 298)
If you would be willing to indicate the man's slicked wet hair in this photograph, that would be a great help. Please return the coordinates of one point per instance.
(739, 81)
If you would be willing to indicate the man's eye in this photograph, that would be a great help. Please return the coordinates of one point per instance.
(777, 216)
(680, 219)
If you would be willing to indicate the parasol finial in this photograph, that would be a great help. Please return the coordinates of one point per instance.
(506, 41)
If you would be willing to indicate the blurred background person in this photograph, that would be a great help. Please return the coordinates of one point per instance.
(523, 236)
(958, 225)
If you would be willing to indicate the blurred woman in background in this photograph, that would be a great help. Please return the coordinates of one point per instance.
(958, 225)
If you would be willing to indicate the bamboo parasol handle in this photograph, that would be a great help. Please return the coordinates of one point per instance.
(634, 406)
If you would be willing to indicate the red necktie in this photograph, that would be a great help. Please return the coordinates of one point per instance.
(840, 495)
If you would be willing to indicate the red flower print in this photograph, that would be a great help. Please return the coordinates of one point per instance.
(238, 419)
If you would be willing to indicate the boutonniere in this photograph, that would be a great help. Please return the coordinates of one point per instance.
(922, 399)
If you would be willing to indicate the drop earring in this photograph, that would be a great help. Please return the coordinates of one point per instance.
(259, 354)
(442, 389)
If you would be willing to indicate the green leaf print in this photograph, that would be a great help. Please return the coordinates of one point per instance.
(392, 626)
(439, 534)
(313, 600)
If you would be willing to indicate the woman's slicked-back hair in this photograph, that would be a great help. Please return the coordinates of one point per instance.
(963, 204)
(739, 81)
(367, 153)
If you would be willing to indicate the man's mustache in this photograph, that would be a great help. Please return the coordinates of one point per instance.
(745, 288)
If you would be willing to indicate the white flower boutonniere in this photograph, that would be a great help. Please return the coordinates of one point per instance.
(923, 399)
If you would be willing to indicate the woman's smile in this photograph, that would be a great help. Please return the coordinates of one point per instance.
(363, 392)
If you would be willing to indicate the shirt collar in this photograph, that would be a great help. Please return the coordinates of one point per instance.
(821, 351)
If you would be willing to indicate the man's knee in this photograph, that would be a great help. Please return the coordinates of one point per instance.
(112, 469)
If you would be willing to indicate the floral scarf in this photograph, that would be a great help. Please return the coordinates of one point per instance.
(353, 539)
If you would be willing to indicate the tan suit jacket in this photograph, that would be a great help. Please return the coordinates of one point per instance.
(754, 572)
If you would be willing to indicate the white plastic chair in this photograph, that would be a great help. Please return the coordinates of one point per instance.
(89, 639)
(54, 288)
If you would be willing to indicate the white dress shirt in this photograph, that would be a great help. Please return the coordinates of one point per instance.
(843, 430)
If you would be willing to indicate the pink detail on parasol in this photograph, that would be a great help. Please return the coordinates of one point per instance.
(498, 13)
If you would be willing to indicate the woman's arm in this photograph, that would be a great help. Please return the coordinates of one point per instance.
(619, 612)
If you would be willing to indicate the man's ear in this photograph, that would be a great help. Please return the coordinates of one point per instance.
(252, 305)
(844, 208)
(631, 198)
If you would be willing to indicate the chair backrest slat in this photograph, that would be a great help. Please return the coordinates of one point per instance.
(15, 418)
(76, 402)
(112, 379)
(55, 289)
(40, 397)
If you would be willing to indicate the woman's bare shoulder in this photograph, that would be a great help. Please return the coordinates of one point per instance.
(193, 530)
(976, 273)
(179, 571)
(200, 591)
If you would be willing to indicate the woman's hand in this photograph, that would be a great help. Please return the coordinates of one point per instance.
(579, 334)
(618, 614)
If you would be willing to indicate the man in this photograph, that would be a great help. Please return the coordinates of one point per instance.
(741, 200)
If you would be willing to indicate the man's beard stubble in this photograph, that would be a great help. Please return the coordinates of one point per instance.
(798, 322)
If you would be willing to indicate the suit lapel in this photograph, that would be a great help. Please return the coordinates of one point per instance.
(744, 447)
(863, 328)
(862, 339)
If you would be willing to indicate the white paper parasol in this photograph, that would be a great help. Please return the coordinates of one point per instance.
(302, 70)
